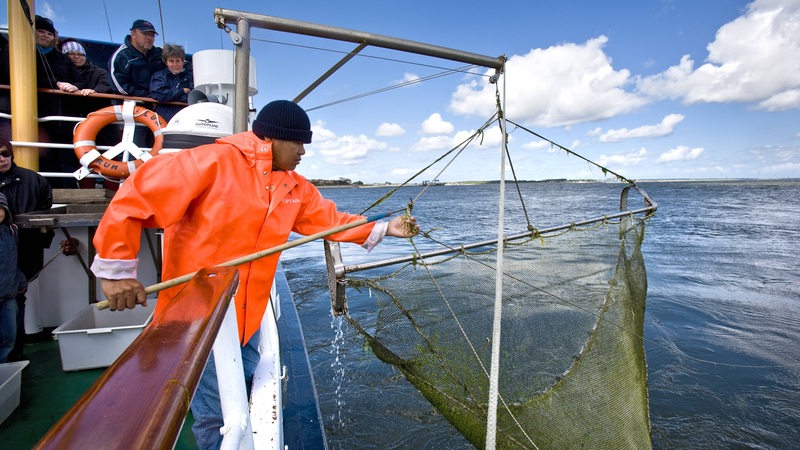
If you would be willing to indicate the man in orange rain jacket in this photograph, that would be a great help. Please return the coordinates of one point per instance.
(215, 203)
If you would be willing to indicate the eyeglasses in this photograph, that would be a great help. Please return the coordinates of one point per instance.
(7, 154)
(75, 54)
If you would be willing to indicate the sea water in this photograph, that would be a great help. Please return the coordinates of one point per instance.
(722, 322)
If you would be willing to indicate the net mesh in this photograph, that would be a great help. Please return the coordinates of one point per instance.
(572, 364)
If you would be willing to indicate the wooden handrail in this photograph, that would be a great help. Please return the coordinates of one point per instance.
(99, 95)
(141, 401)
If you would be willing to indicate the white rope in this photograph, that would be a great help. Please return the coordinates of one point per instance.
(494, 375)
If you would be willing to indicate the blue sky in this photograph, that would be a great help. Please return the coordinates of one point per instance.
(651, 89)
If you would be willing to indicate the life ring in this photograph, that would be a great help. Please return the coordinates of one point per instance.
(86, 132)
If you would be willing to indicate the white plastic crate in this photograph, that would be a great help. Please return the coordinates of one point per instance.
(95, 338)
(10, 387)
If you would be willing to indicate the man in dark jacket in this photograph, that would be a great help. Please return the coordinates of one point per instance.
(136, 60)
(26, 191)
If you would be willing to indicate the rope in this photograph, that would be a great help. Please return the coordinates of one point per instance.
(387, 88)
(36, 275)
(502, 115)
(605, 170)
(494, 376)
(458, 149)
(466, 69)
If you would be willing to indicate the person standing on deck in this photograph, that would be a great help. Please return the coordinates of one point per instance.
(12, 281)
(135, 61)
(54, 70)
(97, 81)
(133, 64)
(95, 78)
(26, 191)
(172, 84)
(217, 202)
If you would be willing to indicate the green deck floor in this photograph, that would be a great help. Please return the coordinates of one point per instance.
(48, 392)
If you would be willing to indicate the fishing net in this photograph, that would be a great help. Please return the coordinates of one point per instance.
(572, 364)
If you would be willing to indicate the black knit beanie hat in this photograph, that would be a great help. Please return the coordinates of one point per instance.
(43, 23)
(284, 120)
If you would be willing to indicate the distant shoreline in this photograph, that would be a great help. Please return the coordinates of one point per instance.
(564, 180)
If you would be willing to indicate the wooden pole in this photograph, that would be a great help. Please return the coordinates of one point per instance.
(22, 60)
(260, 254)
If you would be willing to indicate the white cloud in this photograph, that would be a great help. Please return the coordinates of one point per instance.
(783, 155)
(345, 150)
(782, 101)
(387, 129)
(541, 143)
(407, 80)
(409, 77)
(754, 58)
(680, 153)
(434, 124)
(348, 150)
(556, 86)
(320, 133)
(622, 159)
(490, 138)
(432, 143)
(47, 10)
(666, 127)
(402, 171)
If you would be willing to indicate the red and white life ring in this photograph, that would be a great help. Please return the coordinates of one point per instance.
(129, 113)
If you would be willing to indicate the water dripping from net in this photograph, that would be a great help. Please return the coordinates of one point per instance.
(338, 367)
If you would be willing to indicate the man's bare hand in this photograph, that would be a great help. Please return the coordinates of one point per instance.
(123, 294)
(403, 226)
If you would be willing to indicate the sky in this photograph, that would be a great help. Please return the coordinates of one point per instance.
(650, 89)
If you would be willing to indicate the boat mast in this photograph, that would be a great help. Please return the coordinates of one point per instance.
(245, 20)
(22, 81)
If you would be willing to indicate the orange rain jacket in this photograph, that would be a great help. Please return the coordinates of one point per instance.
(215, 203)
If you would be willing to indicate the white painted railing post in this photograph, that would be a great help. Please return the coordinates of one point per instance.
(236, 431)
(266, 397)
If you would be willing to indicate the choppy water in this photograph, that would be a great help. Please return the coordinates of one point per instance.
(722, 324)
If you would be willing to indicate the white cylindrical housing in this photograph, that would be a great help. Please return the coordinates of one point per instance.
(214, 74)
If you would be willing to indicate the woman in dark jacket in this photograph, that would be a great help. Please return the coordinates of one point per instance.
(53, 70)
(95, 78)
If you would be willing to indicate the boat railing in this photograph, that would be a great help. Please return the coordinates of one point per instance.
(142, 400)
(98, 99)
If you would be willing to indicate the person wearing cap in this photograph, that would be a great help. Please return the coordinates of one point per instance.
(135, 61)
(95, 78)
(11, 280)
(215, 203)
(53, 69)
